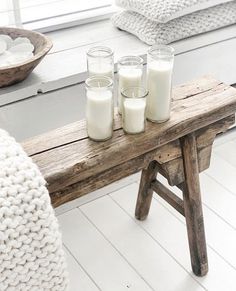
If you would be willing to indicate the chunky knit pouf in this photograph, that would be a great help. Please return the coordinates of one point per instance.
(31, 254)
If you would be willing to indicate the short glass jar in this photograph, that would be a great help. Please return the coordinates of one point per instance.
(130, 74)
(99, 108)
(159, 82)
(134, 105)
(100, 61)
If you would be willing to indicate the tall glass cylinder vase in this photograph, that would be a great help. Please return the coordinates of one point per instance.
(159, 82)
(100, 61)
(134, 104)
(130, 73)
(99, 108)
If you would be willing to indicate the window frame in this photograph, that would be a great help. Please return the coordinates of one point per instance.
(70, 20)
(22, 16)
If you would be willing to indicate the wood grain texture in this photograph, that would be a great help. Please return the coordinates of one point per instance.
(65, 135)
(193, 206)
(104, 178)
(13, 74)
(145, 191)
(169, 161)
(173, 169)
(168, 196)
(66, 156)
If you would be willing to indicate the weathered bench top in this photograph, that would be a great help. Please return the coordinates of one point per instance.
(66, 156)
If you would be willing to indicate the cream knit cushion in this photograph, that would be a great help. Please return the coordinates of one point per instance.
(165, 10)
(163, 33)
(31, 255)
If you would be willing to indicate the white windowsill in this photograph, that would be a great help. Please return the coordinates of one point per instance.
(71, 20)
(65, 65)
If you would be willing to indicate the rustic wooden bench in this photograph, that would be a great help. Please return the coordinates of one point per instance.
(179, 149)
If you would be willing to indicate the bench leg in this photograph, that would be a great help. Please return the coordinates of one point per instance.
(193, 206)
(145, 192)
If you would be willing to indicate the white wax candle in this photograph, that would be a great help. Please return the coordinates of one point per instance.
(159, 87)
(3, 46)
(101, 69)
(134, 115)
(128, 77)
(99, 114)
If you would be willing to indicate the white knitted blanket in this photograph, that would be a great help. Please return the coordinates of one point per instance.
(31, 254)
(165, 10)
(198, 22)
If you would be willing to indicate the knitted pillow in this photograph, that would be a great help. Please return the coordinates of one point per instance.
(165, 10)
(31, 254)
(163, 33)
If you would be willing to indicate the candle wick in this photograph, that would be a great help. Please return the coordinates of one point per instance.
(99, 84)
(133, 95)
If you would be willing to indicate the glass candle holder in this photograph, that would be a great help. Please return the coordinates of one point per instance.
(99, 108)
(130, 73)
(134, 105)
(100, 61)
(159, 82)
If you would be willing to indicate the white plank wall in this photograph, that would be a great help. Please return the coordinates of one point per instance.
(50, 110)
(53, 95)
(110, 250)
(45, 112)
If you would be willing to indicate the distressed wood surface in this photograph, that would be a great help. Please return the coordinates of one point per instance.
(193, 206)
(171, 163)
(168, 196)
(104, 178)
(66, 156)
(145, 191)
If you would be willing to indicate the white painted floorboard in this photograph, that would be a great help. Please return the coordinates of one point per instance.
(223, 172)
(105, 265)
(77, 276)
(146, 255)
(171, 233)
(109, 250)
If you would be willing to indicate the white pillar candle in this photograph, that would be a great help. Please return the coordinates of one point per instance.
(99, 114)
(134, 115)
(128, 77)
(160, 61)
(159, 87)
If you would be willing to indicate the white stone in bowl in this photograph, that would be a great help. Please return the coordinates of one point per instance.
(15, 51)
(13, 58)
(7, 39)
(19, 57)
(3, 46)
(22, 47)
(20, 40)
(4, 59)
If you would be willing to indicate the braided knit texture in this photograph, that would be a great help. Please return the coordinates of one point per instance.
(31, 254)
(166, 10)
(195, 23)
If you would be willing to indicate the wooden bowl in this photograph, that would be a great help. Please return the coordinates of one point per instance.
(13, 74)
